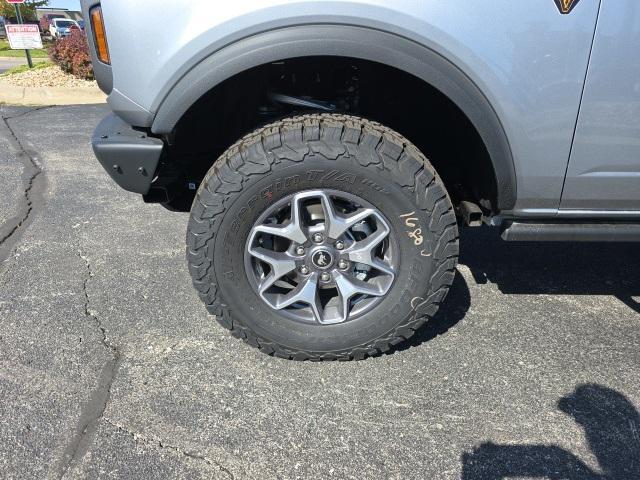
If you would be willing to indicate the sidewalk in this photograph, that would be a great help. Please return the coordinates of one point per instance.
(13, 95)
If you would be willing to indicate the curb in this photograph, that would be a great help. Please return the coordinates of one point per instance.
(49, 95)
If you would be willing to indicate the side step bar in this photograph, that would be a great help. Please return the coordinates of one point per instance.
(570, 232)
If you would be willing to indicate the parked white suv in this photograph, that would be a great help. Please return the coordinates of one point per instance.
(62, 27)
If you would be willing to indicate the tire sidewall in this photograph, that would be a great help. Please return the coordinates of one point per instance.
(372, 183)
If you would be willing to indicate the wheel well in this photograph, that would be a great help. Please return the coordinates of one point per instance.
(397, 99)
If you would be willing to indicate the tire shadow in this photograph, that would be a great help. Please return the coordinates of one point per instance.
(528, 268)
(553, 268)
(611, 426)
(453, 309)
(610, 421)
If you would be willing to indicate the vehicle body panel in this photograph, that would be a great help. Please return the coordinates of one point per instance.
(529, 60)
(604, 170)
(354, 42)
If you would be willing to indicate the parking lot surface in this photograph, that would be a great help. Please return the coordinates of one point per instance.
(110, 366)
(9, 62)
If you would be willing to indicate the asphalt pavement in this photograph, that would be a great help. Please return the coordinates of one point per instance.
(110, 366)
(9, 62)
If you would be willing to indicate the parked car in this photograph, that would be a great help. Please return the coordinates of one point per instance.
(329, 158)
(62, 27)
(45, 22)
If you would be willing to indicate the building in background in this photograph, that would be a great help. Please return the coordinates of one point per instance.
(65, 12)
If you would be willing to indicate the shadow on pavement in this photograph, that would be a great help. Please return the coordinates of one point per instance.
(453, 310)
(612, 428)
(553, 268)
(536, 268)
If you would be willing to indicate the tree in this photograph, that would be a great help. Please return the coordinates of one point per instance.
(28, 9)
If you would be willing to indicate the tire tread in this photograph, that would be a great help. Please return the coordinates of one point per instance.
(328, 135)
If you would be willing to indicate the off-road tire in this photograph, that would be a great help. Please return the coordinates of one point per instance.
(226, 204)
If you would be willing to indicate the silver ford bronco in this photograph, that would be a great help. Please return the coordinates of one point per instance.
(329, 150)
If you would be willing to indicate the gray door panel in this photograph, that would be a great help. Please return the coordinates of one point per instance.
(604, 169)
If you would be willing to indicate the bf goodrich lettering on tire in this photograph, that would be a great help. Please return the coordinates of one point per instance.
(298, 240)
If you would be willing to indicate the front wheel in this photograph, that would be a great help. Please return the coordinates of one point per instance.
(322, 237)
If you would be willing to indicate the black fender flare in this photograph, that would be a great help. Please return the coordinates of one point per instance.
(357, 42)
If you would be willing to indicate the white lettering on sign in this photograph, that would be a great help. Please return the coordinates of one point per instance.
(24, 37)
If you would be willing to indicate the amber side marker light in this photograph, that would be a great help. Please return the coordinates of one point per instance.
(99, 35)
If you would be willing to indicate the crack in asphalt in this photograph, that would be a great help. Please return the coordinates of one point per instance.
(95, 407)
(160, 443)
(34, 185)
(30, 110)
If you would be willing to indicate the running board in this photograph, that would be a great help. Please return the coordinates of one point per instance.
(570, 232)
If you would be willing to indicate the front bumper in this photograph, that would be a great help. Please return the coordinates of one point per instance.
(129, 156)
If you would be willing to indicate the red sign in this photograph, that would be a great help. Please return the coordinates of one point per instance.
(24, 28)
(15, 1)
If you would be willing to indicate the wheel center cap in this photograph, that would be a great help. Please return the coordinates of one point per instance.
(322, 259)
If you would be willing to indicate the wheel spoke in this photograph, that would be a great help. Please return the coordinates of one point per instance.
(280, 264)
(362, 251)
(293, 230)
(348, 287)
(336, 224)
(306, 292)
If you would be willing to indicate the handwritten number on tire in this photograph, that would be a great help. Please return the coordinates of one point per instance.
(413, 222)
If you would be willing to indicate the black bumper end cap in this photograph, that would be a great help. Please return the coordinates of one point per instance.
(129, 156)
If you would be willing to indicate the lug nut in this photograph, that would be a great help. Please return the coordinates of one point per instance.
(299, 250)
(318, 237)
(339, 244)
(304, 270)
(325, 277)
(343, 264)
